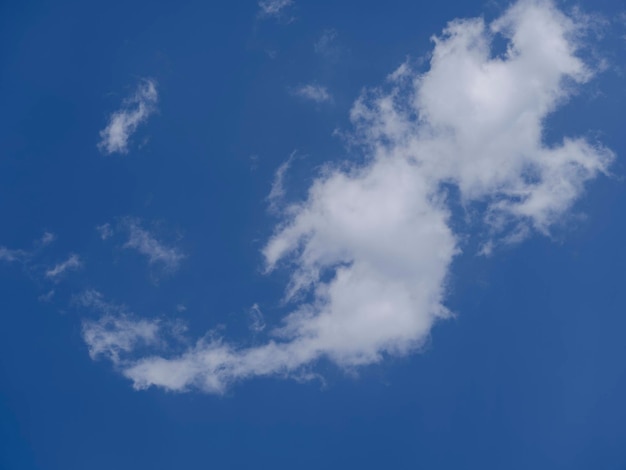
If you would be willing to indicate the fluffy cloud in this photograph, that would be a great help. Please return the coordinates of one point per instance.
(370, 247)
(479, 119)
(313, 92)
(124, 122)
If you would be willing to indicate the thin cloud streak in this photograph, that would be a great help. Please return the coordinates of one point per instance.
(9, 255)
(256, 319)
(72, 263)
(276, 196)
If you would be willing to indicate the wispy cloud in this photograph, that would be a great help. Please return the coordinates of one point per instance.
(157, 253)
(372, 244)
(29, 261)
(9, 255)
(105, 231)
(47, 297)
(256, 319)
(110, 336)
(144, 242)
(277, 192)
(326, 45)
(72, 263)
(94, 300)
(124, 122)
(117, 332)
(26, 256)
(274, 7)
(313, 92)
(48, 238)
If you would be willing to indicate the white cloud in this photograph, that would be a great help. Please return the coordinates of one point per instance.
(72, 263)
(48, 238)
(481, 119)
(26, 259)
(257, 321)
(371, 246)
(94, 300)
(274, 7)
(125, 121)
(276, 195)
(313, 92)
(9, 255)
(47, 297)
(118, 332)
(26, 256)
(105, 231)
(110, 336)
(156, 252)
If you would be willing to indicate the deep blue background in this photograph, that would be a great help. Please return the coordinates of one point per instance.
(530, 374)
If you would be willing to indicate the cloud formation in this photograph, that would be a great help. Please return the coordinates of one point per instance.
(326, 46)
(111, 336)
(146, 244)
(47, 297)
(105, 231)
(273, 7)
(276, 196)
(72, 263)
(124, 122)
(256, 319)
(25, 256)
(116, 332)
(313, 92)
(47, 238)
(370, 247)
(9, 255)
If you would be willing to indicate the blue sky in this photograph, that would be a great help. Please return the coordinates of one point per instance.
(312, 235)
